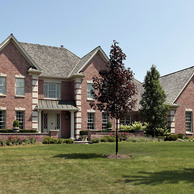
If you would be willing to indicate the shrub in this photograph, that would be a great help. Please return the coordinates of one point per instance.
(171, 138)
(49, 140)
(141, 139)
(109, 125)
(125, 128)
(138, 126)
(17, 141)
(83, 132)
(95, 140)
(6, 130)
(16, 123)
(107, 138)
(46, 140)
(28, 131)
(69, 141)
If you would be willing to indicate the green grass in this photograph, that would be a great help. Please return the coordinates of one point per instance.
(163, 167)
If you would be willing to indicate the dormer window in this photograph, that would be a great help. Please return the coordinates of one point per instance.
(52, 90)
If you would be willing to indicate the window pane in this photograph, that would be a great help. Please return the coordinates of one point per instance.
(58, 121)
(20, 118)
(2, 119)
(188, 121)
(126, 120)
(19, 86)
(2, 85)
(45, 121)
(52, 90)
(105, 119)
(91, 121)
(45, 90)
(89, 89)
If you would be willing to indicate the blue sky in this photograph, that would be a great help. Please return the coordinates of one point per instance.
(159, 32)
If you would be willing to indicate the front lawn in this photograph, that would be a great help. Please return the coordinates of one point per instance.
(163, 167)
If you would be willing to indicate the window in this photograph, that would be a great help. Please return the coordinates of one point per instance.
(45, 123)
(2, 119)
(91, 121)
(58, 121)
(19, 87)
(126, 120)
(52, 90)
(105, 119)
(2, 85)
(21, 118)
(89, 89)
(188, 121)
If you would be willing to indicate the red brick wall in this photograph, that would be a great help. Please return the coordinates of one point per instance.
(40, 89)
(13, 63)
(67, 90)
(39, 137)
(186, 101)
(92, 69)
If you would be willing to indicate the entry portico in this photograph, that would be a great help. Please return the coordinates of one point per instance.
(57, 115)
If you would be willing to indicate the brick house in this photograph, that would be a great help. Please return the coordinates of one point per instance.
(48, 88)
(179, 88)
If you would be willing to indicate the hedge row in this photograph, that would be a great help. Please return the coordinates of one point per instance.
(20, 131)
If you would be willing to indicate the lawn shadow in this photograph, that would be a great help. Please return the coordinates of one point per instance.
(185, 175)
(79, 156)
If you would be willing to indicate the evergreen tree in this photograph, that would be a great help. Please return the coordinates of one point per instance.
(153, 108)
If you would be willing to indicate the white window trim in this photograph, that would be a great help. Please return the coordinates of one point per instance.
(3, 75)
(3, 108)
(20, 76)
(19, 109)
(89, 82)
(91, 111)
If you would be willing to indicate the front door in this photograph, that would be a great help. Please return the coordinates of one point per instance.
(53, 121)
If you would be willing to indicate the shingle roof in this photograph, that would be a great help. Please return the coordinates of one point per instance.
(140, 90)
(83, 61)
(54, 61)
(174, 83)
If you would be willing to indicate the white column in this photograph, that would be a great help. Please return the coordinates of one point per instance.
(78, 118)
(72, 125)
(39, 121)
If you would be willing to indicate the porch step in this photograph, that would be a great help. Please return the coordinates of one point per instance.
(81, 142)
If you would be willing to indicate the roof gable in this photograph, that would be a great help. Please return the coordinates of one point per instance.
(87, 58)
(174, 83)
(12, 39)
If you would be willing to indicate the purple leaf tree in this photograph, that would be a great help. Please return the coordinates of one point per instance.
(114, 89)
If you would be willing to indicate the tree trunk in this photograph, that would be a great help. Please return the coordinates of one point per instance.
(116, 136)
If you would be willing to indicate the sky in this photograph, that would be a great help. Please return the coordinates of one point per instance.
(159, 32)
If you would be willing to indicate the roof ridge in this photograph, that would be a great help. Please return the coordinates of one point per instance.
(55, 47)
(177, 71)
(90, 51)
(81, 59)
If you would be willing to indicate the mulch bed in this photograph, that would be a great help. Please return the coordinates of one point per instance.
(118, 156)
